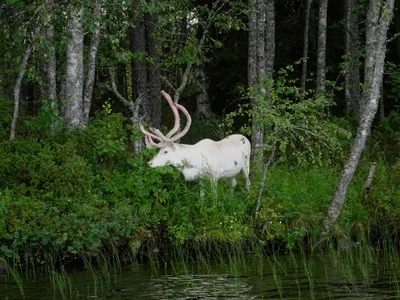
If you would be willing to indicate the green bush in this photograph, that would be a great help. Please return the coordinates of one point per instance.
(83, 192)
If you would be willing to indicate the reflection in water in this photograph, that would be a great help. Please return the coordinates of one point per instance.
(279, 279)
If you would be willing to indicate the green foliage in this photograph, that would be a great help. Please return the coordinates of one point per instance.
(299, 125)
(79, 193)
(5, 116)
(385, 138)
(392, 72)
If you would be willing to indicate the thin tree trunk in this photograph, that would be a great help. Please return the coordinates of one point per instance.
(257, 65)
(17, 90)
(51, 60)
(321, 52)
(352, 76)
(305, 48)
(252, 51)
(139, 67)
(203, 105)
(378, 21)
(153, 75)
(74, 73)
(91, 67)
(269, 37)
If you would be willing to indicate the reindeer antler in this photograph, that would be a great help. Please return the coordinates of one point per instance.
(188, 123)
(158, 135)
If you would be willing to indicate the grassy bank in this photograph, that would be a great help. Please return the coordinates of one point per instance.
(84, 194)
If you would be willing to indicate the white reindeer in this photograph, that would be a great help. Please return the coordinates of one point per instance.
(216, 160)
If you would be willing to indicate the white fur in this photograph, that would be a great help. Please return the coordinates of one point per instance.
(223, 159)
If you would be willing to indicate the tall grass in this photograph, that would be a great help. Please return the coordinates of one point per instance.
(222, 229)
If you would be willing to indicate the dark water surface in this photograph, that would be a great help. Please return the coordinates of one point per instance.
(283, 277)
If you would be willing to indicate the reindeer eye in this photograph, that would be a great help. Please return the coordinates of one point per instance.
(165, 152)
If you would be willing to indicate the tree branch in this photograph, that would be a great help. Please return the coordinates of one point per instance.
(185, 76)
(167, 82)
(393, 38)
(127, 103)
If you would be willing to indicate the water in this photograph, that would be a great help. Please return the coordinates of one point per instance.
(280, 277)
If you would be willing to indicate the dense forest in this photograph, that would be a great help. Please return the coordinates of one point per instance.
(311, 84)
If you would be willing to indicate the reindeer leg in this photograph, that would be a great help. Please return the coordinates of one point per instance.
(214, 187)
(246, 171)
(201, 189)
(234, 182)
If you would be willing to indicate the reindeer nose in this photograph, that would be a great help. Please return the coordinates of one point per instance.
(150, 163)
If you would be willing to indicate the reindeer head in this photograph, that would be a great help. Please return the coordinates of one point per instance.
(168, 153)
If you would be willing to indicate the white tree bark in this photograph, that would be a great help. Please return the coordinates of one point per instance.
(74, 72)
(260, 65)
(378, 21)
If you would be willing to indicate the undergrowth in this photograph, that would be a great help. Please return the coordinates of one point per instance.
(81, 194)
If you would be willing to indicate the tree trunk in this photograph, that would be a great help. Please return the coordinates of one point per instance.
(51, 61)
(377, 23)
(139, 68)
(352, 76)
(305, 48)
(91, 67)
(260, 66)
(74, 73)
(321, 55)
(257, 65)
(269, 38)
(252, 51)
(203, 105)
(153, 75)
(17, 90)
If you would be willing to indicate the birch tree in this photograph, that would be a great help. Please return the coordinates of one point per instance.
(74, 71)
(321, 51)
(379, 16)
(261, 55)
(79, 88)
